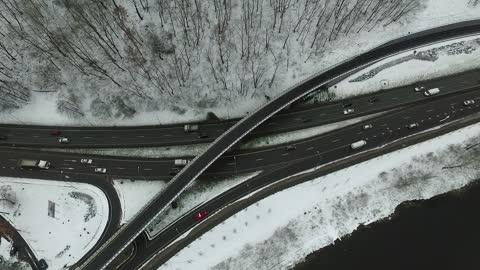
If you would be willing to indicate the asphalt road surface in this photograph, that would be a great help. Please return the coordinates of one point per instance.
(385, 129)
(287, 120)
(103, 256)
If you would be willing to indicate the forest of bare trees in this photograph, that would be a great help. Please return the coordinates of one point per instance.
(154, 53)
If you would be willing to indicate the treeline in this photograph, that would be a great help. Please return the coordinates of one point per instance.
(182, 50)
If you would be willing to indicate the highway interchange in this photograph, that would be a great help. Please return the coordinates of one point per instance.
(409, 107)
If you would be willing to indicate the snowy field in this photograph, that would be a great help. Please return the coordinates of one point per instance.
(61, 234)
(282, 229)
(211, 77)
(135, 194)
(428, 62)
(8, 262)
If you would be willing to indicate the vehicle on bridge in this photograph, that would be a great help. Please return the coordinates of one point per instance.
(181, 162)
(469, 102)
(358, 144)
(348, 111)
(200, 215)
(32, 163)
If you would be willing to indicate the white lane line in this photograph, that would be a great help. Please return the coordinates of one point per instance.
(431, 110)
(87, 137)
(231, 163)
(147, 169)
(140, 136)
(71, 160)
(259, 159)
(337, 140)
(120, 168)
(310, 148)
(36, 136)
(284, 154)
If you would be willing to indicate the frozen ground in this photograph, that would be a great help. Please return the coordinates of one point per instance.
(8, 262)
(282, 229)
(203, 84)
(80, 216)
(429, 62)
(135, 194)
(198, 193)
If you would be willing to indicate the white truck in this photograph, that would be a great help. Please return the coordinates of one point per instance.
(31, 163)
(358, 144)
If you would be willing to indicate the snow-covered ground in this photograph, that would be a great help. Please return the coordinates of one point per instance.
(78, 218)
(91, 98)
(282, 229)
(196, 194)
(444, 58)
(135, 194)
(8, 262)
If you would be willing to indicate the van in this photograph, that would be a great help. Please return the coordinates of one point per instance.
(431, 92)
(190, 128)
(181, 162)
(358, 144)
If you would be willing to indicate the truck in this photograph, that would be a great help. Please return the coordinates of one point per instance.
(31, 163)
(358, 144)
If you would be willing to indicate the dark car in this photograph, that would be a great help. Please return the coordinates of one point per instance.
(372, 99)
(174, 171)
(55, 132)
(3, 137)
(347, 105)
(202, 135)
(290, 148)
(174, 204)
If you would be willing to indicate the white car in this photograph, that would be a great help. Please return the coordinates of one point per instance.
(86, 160)
(63, 140)
(413, 125)
(419, 88)
(367, 126)
(100, 170)
(348, 111)
(469, 102)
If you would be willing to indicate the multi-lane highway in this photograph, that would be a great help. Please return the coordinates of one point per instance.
(319, 151)
(113, 247)
(287, 120)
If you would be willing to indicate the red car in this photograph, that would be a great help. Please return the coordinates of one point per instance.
(55, 132)
(200, 215)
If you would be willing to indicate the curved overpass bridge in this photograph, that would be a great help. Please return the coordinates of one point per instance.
(119, 241)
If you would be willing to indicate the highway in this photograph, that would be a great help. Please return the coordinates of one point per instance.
(101, 258)
(287, 120)
(233, 163)
(385, 130)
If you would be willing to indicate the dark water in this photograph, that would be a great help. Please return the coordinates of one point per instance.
(440, 233)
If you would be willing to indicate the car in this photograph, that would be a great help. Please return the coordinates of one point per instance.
(348, 111)
(358, 144)
(86, 160)
(419, 88)
(63, 140)
(100, 170)
(55, 132)
(347, 105)
(290, 148)
(372, 100)
(200, 215)
(431, 92)
(202, 135)
(413, 125)
(174, 171)
(367, 126)
(469, 102)
(3, 137)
